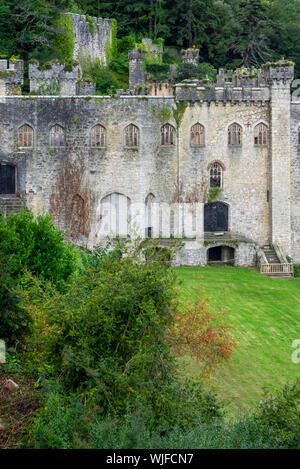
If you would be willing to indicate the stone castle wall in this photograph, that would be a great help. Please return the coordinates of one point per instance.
(91, 38)
(53, 177)
(295, 181)
(260, 183)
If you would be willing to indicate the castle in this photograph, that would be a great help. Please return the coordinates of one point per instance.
(214, 164)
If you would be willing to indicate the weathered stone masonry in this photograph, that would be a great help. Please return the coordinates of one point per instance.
(136, 153)
(77, 177)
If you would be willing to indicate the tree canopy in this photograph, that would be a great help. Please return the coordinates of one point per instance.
(228, 32)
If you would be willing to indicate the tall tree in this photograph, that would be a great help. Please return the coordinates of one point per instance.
(252, 43)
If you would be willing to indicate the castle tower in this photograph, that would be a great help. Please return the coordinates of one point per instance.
(280, 78)
(136, 68)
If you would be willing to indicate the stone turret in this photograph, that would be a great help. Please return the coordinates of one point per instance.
(11, 77)
(279, 77)
(136, 69)
(190, 56)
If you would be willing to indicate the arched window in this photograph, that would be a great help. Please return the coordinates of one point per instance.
(131, 136)
(57, 136)
(98, 136)
(25, 137)
(167, 135)
(197, 135)
(149, 221)
(216, 175)
(235, 135)
(261, 135)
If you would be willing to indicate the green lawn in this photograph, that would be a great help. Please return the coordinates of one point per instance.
(266, 313)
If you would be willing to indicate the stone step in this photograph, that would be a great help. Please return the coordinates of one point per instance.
(9, 205)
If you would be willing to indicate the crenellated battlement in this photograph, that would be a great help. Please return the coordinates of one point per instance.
(57, 78)
(11, 77)
(250, 85)
(92, 37)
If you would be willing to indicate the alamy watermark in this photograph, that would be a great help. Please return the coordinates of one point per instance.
(296, 353)
(2, 351)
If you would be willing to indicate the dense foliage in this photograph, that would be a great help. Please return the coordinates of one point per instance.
(28, 244)
(68, 422)
(102, 342)
(228, 32)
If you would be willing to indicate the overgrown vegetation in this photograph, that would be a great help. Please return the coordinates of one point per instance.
(228, 33)
(104, 331)
(33, 245)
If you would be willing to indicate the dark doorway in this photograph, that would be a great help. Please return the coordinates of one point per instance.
(215, 254)
(7, 179)
(221, 254)
(216, 217)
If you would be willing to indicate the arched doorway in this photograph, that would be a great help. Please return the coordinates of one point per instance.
(221, 254)
(7, 179)
(115, 215)
(215, 217)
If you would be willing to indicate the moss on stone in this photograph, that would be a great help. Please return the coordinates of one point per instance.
(65, 41)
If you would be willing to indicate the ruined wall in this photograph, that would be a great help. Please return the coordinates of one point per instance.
(11, 77)
(71, 181)
(55, 80)
(92, 38)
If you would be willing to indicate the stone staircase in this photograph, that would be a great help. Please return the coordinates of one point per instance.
(10, 204)
(275, 267)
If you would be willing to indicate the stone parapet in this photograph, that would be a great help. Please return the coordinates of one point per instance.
(56, 79)
(11, 77)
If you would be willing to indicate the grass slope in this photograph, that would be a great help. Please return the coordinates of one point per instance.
(266, 313)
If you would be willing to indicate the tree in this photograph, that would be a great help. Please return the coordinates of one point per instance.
(252, 43)
(202, 332)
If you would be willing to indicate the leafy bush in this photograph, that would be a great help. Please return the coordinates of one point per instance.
(71, 422)
(297, 270)
(206, 70)
(34, 245)
(281, 413)
(37, 245)
(14, 321)
(186, 71)
(157, 72)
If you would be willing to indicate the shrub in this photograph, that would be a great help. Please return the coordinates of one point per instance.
(157, 72)
(281, 413)
(297, 270)
(76, 422)
(37, 245)
(186, 71)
